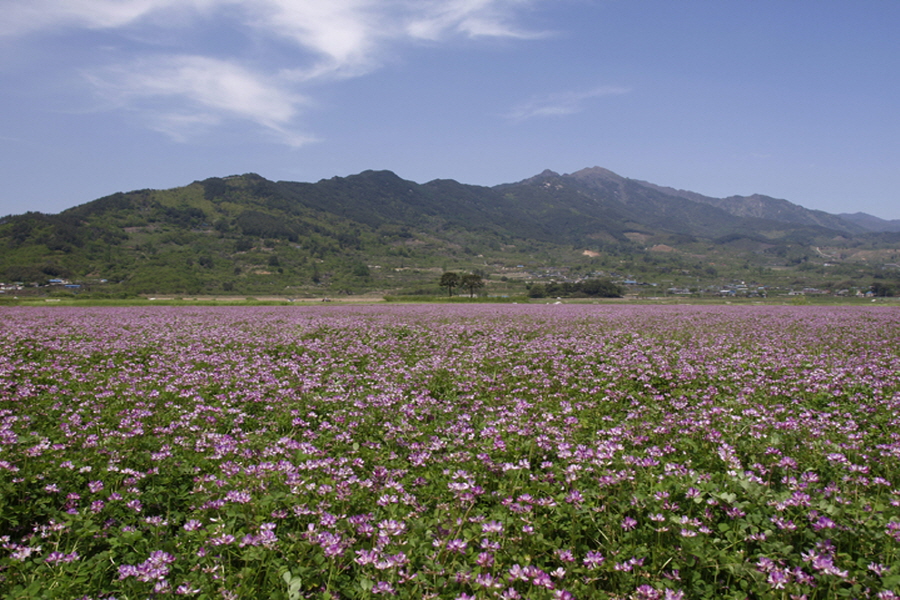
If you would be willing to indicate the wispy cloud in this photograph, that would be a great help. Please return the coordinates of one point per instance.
(22, 17)
(491, 18)
(332, 39)
(345, 36)
(206, 90)
(561, 103)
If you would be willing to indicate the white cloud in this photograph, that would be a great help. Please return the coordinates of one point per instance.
(181, 127)
(495, 18)
(26, 16)
(331, 39)
(351, 36)
(207, 91)
(346, 32)
(562, 103)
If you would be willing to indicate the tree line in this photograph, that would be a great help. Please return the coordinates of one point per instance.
(589, 288)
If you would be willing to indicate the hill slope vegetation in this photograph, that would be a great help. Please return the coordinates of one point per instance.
(375, 231)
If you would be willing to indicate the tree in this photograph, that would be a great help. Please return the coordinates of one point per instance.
(471, 282)
(882, 289)
(449, 280)
(602, 288)
(537, 290)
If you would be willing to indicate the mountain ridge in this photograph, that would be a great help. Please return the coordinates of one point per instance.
(872, 223)
(757, 206)
(373, 229)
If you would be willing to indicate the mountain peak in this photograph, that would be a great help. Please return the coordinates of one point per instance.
(594, 173)
(545, 174)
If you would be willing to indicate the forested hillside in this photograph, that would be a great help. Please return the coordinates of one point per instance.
(378, 232)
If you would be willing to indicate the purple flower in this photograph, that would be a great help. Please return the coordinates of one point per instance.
(155, 568)
(392, 561)
(492, 527)
(366, 557)
(765, 564)
(593, 559)
(778, 578)
(565, 555)
(383, 587)
(575, 497)
(646, 592)
(192, 525)
(824, 522)
(392, 527)
(485, 559)
(542, 579)
(238, 497)
(222, 540)
(487, 580)
(60, 557)
(186, 589)
(20, 553)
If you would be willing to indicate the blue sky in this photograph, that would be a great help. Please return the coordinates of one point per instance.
(796, 99)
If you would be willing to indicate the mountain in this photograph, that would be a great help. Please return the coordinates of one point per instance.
(377, 231)
(765, 207)
(870, 223)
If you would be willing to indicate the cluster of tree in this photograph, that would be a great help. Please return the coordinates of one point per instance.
(187, 216)
(57, 232)
(467, 281)
(882, 290)
(259, 224)
(589, 288)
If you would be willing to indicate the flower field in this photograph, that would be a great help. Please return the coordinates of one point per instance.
(450, 451)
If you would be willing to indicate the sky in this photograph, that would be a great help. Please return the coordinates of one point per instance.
(795, 99)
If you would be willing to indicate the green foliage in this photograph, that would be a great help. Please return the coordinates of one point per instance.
(882, 289)
(472, 282)
(437, 452)
(258, 224)
(589, 288)
(245, 234)
(449, 280)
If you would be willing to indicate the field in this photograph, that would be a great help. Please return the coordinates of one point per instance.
(450, 451)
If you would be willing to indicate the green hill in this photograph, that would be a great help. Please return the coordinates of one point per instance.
(377, 232)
